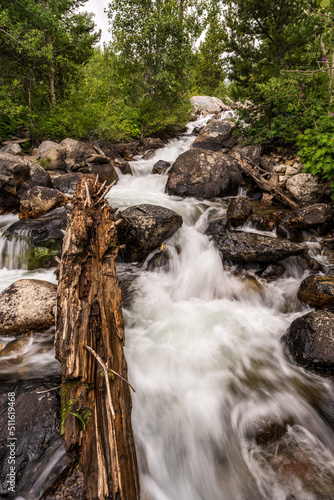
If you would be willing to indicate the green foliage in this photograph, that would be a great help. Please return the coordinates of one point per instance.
(283, 108)
(317, 149)
(84, 418)
(264, 37)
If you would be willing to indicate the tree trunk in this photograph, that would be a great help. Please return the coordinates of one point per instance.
(96, 404)
(52, 74)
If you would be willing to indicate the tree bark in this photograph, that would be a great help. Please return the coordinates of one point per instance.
(96, 406)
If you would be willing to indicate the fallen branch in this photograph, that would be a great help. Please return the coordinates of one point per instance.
(267, 186)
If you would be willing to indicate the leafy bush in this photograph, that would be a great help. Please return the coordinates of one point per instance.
(317, 149)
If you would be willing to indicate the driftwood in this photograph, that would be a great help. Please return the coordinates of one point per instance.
(96, 404)
(265, 185)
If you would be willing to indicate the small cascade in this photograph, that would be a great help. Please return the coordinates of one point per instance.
(13, 252)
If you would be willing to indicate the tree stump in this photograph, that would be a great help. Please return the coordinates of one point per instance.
(96, 404)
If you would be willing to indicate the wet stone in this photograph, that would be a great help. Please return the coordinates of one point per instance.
(310, 341)
(317, 291)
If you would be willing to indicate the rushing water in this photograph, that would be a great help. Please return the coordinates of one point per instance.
(204, 354)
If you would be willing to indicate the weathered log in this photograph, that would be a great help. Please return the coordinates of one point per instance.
(89, 314)
(267, 186)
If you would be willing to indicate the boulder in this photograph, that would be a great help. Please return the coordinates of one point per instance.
(40, 200)
(304, 188)
(66, 183)
(76, 152)
(206, 105)
(127, 150)
(14, 172)
(106, 172)
(37, 432)
(144, 228)
(249, 247)
(51, 156)
(239, 210)
(310, 341)
(204, 174)
(214, 135)
(38, 177)
(27, 305)
(311, 216)
(43, 238)
(12, 149)
(252, 152)
(151, 143)
(161, 167)
(317, 291)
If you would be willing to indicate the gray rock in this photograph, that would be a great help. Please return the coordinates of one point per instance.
(311, 216)
(250, 247)
(105, 171)
(144, 228)
(39, 200)
(66, 183)
(51, 156)
(304, 188)
(123, 165)
(38, 177)
(161, 167)
(239, 210)
(208, 105)
(12, 149)
(76, 152)
(27, 305)
(252, 152)
(310, 341)
(14, 172)
(214, 135)
(204, 174)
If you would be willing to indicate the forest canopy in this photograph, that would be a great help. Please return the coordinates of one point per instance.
(57, 81)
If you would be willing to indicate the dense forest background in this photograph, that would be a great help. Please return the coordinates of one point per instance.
(279, 54)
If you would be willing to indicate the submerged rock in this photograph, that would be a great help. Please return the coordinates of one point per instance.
(317, 291)
(144, 228)
(40, 200)
(27, 305)
(239, 210)
(203, 174)
(310, 341)
(161, 167)
(249, 247)
(214, 135)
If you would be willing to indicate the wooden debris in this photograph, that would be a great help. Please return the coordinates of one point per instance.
(89, 314)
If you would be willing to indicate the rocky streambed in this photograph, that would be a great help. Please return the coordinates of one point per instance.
(228, 311)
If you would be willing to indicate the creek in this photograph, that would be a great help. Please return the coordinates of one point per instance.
(204, 355)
